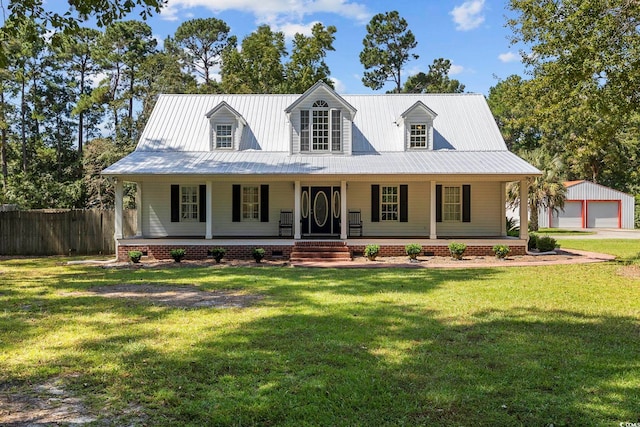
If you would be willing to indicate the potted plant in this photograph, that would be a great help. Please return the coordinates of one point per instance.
(258, 254)
(178, 254)
(371, 252)
(217, 253)
(457, 250)
(501, 251)
(135, 256)
(413, 250)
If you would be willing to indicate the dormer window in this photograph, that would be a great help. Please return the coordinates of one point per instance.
(418, 124)
(418, 136)
(224, 136)
(321, 128)
(226, 127)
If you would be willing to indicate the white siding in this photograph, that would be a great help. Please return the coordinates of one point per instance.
(359, 197)
(156, 208)
(486, 212)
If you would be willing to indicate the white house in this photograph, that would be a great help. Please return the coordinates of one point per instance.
(225, 170)
(590, 205)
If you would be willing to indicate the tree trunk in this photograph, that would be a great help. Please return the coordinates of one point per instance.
(23, 124)
(3, 142)
(533, 218)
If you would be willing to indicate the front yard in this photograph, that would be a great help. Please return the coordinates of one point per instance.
(495, 346)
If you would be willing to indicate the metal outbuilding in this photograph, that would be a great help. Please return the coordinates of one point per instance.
(590, 205)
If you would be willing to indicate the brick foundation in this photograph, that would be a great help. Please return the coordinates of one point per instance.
(284, 251)
(398, 250)
(200, 251)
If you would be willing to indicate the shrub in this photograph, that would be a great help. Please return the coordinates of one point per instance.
(546, 244)
(258, 254)
(413, 250)
(457, 249)
(513, 229)
(178, 254)
(217, 253)
(533, 242)
(371, 251)
(135, 256)
(501, 251)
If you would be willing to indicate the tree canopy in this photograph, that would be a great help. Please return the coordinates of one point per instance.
(386, 49)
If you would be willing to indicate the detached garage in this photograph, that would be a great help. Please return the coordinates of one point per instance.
(590, 205)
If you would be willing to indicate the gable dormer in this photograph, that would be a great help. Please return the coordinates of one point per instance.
(321, 122)
(418, 127)
(226, 126)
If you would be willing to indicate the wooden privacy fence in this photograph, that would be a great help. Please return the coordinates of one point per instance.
(61, 232)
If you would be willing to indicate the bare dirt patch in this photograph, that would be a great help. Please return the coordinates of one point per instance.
(630, 271)
(43, 405)
(175, 296)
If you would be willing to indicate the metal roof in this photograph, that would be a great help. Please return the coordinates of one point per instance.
(442, 162)
(464, 122)
(467, 140)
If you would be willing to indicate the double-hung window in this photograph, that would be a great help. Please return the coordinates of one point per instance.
(389, 206)
(320, 128)
(418, 136)
(452, 204)
(189, 203)
(224, 136)
(251, 203)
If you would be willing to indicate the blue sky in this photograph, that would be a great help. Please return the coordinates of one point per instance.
(470, 33)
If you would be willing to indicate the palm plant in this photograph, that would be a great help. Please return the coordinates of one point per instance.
(545, 191)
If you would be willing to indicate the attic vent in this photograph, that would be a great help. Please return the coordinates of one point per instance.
(320, 104)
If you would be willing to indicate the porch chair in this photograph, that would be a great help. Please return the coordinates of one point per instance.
(285, 223)
(355, 222)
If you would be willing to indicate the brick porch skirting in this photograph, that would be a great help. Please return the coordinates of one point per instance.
(163, 251)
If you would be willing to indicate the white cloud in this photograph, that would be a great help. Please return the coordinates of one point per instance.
(469, 15)
(338, 85)
(509, 57)
(291, 30)
(266, 10)
(456, 69)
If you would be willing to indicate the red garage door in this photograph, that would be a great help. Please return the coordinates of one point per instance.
(603, 214)
(571, 217)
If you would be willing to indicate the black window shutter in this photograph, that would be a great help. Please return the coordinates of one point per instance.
(235, 202)
(203, 203)
(375, 203)
(175, 203)
(404, 203)
(438, 203)
(466, 203)
(264, 203)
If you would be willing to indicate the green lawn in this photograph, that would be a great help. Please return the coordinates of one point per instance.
(499, 346)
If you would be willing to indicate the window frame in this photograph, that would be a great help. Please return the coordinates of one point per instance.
(252, 207)
(321, 129)
(449, 215)
(386, 214)
(217, 136)
(418, 141)
(191, 208)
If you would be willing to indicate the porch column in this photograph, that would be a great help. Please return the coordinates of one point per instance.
(118, 207)
(503, 208)
(432, 212)
(524, 209)
(297, 195)
(208, 232)
(138, 209)
(343, 210)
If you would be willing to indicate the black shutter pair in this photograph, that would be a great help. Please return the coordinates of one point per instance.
(466, 203)
(175, 203)
(375, 203)
(236, 203)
